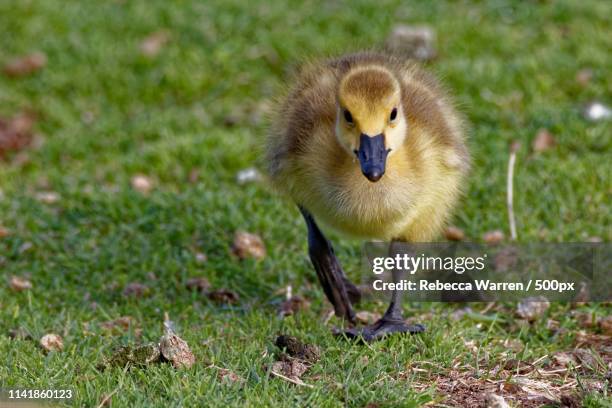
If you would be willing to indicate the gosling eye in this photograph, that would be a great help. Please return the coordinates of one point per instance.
(393, 115)
(347, 116)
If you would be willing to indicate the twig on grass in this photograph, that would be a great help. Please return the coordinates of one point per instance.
(291, 380)
(510, 189)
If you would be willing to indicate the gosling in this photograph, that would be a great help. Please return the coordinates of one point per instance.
(371, 146)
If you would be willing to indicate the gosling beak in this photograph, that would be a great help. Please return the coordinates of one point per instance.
(372, 156)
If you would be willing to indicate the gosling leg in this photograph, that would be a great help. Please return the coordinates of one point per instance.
(391, 322)
(338, 289)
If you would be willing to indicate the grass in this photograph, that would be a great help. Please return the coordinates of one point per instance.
(105, 113)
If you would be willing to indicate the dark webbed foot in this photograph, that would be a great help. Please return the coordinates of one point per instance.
(381, 329)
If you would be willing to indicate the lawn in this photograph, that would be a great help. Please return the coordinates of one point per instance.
(191, 114)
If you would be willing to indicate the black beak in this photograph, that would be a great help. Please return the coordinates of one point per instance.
(372, 156)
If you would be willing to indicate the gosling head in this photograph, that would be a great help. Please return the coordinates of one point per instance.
(370, 121)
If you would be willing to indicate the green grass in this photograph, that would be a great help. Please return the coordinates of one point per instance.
(105, 113)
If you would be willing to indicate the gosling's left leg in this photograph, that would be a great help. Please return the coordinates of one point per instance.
(391, 322)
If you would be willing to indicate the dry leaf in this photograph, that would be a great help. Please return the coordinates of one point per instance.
(533, 307)
(19, 284)
(142, 183)
(563, 359)
(223, 296)
(506, 259)
(365, 317)
(247, 245)
(571, 401)
(543, 141)
(153, 43)
(194, 175)
(293, 305)
(25, 247)
(583, 295)
(198, 284)
(135, 289)
(25, 65)
(16, 133)
(586, 358)
(4, 232)
(454, 234)
(176, 350)
(605, 324)
(229, 377)
(535, 388)
(584, 319)
(513, 344)
(121, 324)
(584, 76)
(493, 237)
(52, 342)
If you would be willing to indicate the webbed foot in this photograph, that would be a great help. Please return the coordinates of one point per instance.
(381, 329)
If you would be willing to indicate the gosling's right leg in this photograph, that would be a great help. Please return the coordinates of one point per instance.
(338, 289)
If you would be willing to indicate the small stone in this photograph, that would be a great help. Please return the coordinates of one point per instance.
(48, 197)
(416, 42)
(142, 184)
(248, 176)
(247, 245)
(200, 257)
(597, 111)
(532, 308)
(454, 234)
(493, 237)
(543, 141)
(52, 342)
(153, 43)
(19, 284)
